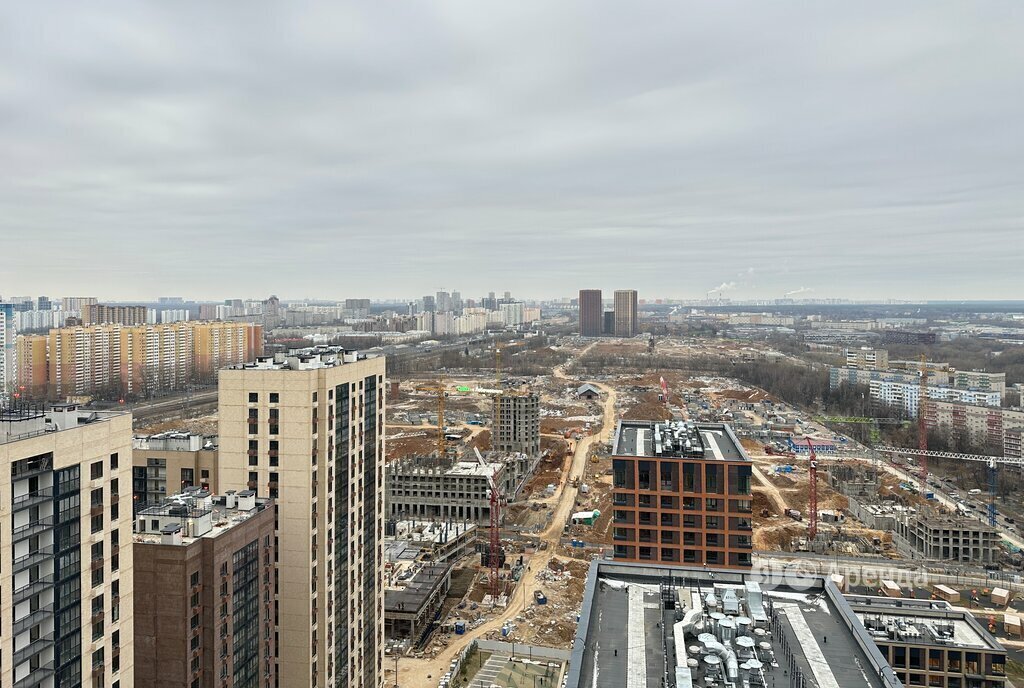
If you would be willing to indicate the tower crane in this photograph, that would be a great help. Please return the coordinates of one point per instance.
(812, 497)
(922, 422)
(494, 550)
(992, 464)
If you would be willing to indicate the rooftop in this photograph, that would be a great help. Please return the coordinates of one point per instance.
(677, 439)
(174, 441)
(309, 358)
(921, 622)
(652, 626)
(22, 420)
(415, 588)
(195, 514)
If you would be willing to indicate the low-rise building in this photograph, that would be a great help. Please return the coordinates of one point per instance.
(412, 601)
(656, 626)
(428, 488)
(945, 537)
(204, 575)
(929, 643)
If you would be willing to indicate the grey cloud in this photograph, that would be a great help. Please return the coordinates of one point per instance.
(384, 149)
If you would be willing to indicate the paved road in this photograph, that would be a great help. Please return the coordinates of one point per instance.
(425, 673)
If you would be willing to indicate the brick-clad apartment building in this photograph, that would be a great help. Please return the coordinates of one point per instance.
(681, 494)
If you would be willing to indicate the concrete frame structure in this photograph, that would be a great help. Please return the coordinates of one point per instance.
(66, 594)
(591, 313)
(626, 313)
(171, 461)
(204, 581)
(409, 609)
(945, 537)
(515, 422)
(928, 643)
(428, 488)
(681, 494)
(324, 409)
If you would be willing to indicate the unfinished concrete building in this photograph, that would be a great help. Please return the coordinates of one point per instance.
(948, 537)
(516, 424)
(412, 604)
(429, 488)
(428, 540)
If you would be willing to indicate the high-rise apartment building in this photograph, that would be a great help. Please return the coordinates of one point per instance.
(625, 313)
(30, 351)
(122, 361)
(101, 314)
(204, 591)
(591, 313)
(681, 494)
(516, 423)
(65, 582)
(8, 355)
(307, 429)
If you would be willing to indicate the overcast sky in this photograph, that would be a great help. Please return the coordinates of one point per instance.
(239, 149)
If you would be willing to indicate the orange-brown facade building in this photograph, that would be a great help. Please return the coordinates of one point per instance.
(681, 494)
(132, 361)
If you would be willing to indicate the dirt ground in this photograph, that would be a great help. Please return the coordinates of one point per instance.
(203, 425)
(552, 624)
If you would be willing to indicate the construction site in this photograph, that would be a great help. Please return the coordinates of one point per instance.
(815, 491)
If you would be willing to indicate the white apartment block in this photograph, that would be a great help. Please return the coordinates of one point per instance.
(65, 582)
(307, 429)
(8, 356)
(906, 396)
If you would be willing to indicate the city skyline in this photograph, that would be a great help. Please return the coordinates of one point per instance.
(754, 151)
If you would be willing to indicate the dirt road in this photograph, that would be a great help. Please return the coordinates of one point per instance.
(425, 673)
(772, 491)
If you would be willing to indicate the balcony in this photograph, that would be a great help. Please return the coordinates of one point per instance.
(36, 676)
(36, 617)
(32, 558)
(29, 468)
(30, 529)
(96, 509)
(97, 563)
(32, 498)
(31, 588)
(32, 648)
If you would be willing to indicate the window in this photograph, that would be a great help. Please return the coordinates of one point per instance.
(97, 577)
(96, 523)
(193, 579)
(254, 397)
(188, 477)
(113, 461)
(96, 470)
(204, 474)
(275, 398)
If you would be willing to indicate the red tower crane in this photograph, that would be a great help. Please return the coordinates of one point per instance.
(812, 497)
(494, 549)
